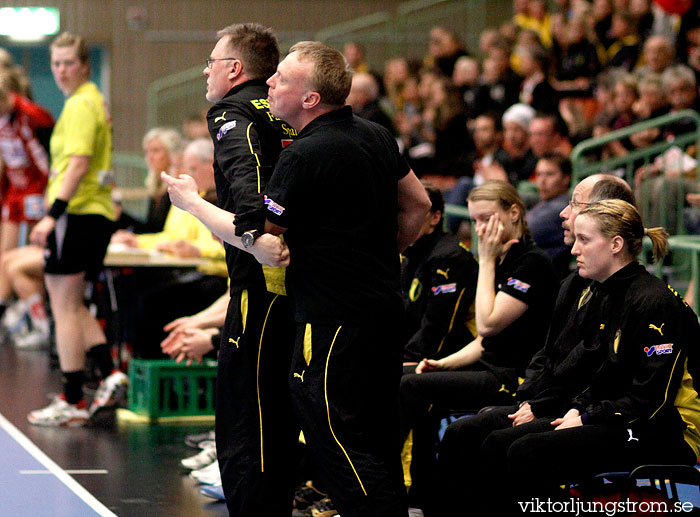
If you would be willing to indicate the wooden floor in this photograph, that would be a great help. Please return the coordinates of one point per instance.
(135, 466)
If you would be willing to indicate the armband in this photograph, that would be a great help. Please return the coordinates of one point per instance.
(59, 206)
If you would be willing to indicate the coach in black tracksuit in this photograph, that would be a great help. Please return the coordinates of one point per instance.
(255, 427)
(347, 202)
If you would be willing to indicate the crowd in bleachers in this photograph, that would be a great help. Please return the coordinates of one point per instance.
(488, 128)
(592, 66)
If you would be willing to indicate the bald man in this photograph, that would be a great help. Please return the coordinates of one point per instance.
(555, 374)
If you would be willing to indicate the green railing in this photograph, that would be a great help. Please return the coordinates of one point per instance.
(583, 168)
(654, 191)
(661, 198)
(130, 172)
(691, 245)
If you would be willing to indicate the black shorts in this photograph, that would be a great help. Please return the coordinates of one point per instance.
(78, 244)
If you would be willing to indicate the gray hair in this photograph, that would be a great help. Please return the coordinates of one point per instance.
(203, 148)
(678, 73)
(169, 137)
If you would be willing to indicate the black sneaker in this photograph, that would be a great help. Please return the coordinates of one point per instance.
(193, 440)
(322, 508)
(306, 495)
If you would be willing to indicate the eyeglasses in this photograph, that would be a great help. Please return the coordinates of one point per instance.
(578, 204)
(210, 61)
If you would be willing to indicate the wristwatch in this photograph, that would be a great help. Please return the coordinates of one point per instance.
(248, 238)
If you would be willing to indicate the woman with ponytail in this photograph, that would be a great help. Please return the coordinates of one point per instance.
(641, 405)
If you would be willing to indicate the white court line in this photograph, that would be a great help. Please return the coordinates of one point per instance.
(57, 471)
(96, 471)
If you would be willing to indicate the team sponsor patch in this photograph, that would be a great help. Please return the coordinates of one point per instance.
(225, 129)
(666, 348)
(445, 288)
(517, 284)
(273, 207)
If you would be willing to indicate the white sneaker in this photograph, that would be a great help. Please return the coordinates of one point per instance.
(209, 475)
(35, 339)
(15, 319)
(204, 458)
(110, 392)
(59, 414)
(415, 512)
(206, 444)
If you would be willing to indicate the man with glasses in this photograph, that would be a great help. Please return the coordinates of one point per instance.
(255, 429)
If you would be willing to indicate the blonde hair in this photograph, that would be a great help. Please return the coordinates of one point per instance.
(616, 217)
(68, 39)
(174, 143)
(506, 196)
(331, 76)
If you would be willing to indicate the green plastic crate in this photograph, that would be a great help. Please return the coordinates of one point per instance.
(163, 388)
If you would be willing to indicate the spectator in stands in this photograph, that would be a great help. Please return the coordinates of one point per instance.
(576, 61)
(364, 100)
(536, 89)
(439, 284)
(355, 55)
(624, 96)
(546, 137)
(162, 149)
(466, 78)
(602, 16)
(681, 90)
(488, 39)
(488, 153)
(624, 50)
(174, 293)
(510, 32)
(657, 54)
(500, 85)
(25, 130)
(484, 163)
(605, 100)
(195, 125)
(689, 44)
(552, 177)
(535, 17)
(520, 162)
(515, 293)
(644, 19)
(408, 119)
(651, 102)
(445, 126)
(76, 232)
(444, 48)
(396, 71)
(659, 183)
